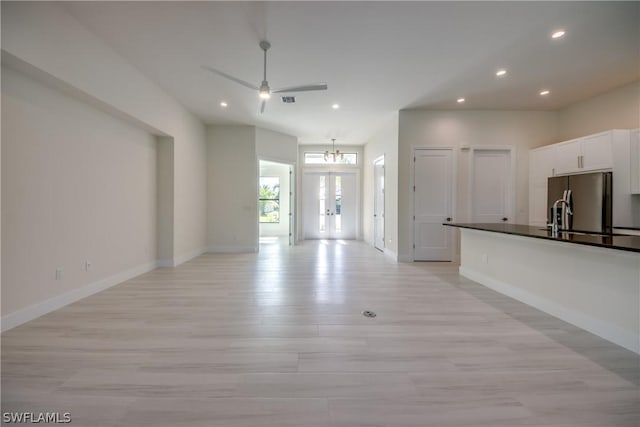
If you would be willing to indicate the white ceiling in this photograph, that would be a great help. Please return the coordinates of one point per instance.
(376, 57)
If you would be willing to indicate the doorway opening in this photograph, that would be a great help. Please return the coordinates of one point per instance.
(330, 205)
(275, 203)
(378, 203)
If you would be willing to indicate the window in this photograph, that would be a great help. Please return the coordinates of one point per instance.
(269, 199)
(318, 159)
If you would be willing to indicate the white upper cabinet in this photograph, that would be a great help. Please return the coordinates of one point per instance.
(568, 156)
(610, 150)
(635, 161)
(589, 153)
(542, 163)
(597, 151)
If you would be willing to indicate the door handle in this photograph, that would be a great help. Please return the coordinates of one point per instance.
(448, 219)
(505, 219)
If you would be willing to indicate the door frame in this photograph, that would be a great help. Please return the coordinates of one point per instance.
(292, 196)
(454, 191)
(511, 191)
(334, 170)
(384, 201)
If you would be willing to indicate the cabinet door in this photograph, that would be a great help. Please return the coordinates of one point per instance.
(597, 152)
(542, 163)
(635, 161)
(568, 156)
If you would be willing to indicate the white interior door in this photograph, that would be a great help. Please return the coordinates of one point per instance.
(378, 204)
(330, 205)
(292, 225)
(432, 204)
(491, 186)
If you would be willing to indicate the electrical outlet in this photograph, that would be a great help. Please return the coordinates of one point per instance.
(59, 271)
(87, 265)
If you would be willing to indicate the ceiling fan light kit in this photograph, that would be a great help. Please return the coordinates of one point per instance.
(264, 91)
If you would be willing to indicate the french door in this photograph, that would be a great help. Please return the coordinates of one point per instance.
(330, 205)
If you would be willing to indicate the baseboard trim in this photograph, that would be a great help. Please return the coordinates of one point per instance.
(391, 254)
(603, 329)
(165, 263)
(405, 258)
(188, 256)
(232, 249)
(34, 311)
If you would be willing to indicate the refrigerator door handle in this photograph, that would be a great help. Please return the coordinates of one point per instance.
(567, 210)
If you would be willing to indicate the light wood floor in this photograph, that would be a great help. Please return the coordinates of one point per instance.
(277, 339)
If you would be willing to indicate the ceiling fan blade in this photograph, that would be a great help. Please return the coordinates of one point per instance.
(230, 77)
(304, 88)
(264, 104)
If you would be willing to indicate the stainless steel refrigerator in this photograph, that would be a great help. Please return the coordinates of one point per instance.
(589, 196)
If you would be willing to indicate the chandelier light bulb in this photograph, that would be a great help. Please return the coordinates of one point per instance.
(334, 154)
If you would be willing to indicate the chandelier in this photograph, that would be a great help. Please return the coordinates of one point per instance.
(336, 154)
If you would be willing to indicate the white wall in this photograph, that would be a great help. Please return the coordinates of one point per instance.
(384, 142)
(276, 146)
(232, 182)
(281, 171)
(232, 189)
(49, 39)
(165, 201)
(77, 184)
(616, 109)
(521, 129)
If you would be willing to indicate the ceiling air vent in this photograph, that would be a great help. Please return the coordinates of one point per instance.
(288, 99)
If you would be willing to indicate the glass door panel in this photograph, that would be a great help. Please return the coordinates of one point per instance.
(331, 207)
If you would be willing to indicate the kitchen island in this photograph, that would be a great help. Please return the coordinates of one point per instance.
(591, 281)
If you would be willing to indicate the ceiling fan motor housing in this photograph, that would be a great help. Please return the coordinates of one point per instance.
(265, 45)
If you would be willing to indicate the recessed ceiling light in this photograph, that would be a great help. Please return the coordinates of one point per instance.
(501, 72)
(460, 100)
(557, 34)
(223, 104)
(335, 106)
(544, 92)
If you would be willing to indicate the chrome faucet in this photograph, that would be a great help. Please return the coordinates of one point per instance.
(554, 223)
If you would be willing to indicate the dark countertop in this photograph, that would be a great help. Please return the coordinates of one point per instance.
(627, 228)
(611, 241)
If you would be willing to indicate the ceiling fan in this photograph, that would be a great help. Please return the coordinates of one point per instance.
(264, 91)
